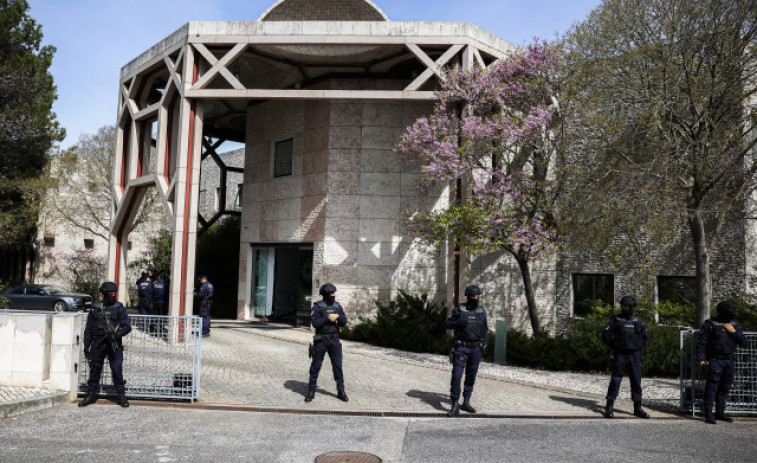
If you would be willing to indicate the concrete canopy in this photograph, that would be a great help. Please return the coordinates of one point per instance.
(197, 84)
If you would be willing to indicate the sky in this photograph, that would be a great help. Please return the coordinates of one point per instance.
(95, 38)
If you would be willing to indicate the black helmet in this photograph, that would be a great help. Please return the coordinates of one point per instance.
(727, 308)
(327, 289)
(108, 287)
(472, 290)
(628, 301)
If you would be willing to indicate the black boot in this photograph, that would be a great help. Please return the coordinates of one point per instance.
(608, 409)
(341, 395)
(310, 396)
(89, 399)
(121, 400)
(720, 414)
(455, 410)
(638, 411)
(467, 406)
(709, 418)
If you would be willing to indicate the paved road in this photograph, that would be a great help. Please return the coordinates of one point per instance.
(105, 432)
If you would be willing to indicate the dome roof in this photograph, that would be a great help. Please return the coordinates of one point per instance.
(323, 10)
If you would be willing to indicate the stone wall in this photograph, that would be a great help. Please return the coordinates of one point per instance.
(346, 194)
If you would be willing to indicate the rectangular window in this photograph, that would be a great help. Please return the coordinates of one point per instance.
(50, 241)
(676, 289)
(89, 243)
(282, 158)
(217, 199)
(589, 287)
(238, 198)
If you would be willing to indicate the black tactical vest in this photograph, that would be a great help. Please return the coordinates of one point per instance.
(720, 343)
(475, 329)
(111, 313)
(628, 334)
(326, 310)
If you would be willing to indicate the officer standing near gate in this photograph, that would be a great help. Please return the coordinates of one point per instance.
(716, 346)
(327, 316)
(471, 337)
(205, 295)
(107, 324)
(626, 334)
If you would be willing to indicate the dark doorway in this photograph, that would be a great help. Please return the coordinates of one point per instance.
(292, 285)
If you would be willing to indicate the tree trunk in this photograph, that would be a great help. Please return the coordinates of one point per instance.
(525, 273)
(702, 259)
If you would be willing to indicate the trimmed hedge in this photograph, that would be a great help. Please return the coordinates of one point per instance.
(414, 324)
(408, 323)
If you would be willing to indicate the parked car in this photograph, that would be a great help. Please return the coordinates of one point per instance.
(46, 297)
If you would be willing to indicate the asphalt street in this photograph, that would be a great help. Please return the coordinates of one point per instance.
(106, 433)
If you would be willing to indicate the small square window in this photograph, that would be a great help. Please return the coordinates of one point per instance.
(128, 246)
(591, 287)
(50, 241)
(89, 243)
(282, 158)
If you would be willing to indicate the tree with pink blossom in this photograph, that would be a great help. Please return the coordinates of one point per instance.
(494, 138)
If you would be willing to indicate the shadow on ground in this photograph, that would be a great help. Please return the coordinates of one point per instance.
(589, 404)
(435, 399)
(301, 387)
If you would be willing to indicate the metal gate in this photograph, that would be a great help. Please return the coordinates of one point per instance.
(743, 397)
(162, 359)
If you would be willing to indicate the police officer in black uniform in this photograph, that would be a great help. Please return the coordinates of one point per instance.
(158, 295)
(205, 295)
(716, 346)
(107, 324)
(471, 337)
(328, 315)
(626, 334)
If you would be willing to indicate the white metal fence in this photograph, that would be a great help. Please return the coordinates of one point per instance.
(743, 396)
(162, 359)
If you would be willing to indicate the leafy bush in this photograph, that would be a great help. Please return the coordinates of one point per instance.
(408, 322)
(747, 315)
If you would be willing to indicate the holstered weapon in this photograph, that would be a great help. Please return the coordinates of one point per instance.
(452, 356)
(311, 350)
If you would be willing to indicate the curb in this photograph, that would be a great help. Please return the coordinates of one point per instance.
(35, 404)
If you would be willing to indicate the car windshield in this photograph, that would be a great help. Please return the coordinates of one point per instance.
(54, 289)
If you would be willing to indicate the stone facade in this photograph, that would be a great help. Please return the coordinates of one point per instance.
(210, 181)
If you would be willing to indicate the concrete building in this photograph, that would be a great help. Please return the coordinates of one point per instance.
(319, 92)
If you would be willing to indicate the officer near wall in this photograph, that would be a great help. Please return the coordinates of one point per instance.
(471, 337)
(327, 316)
(107, 324)
(716, 347)
(205, 295)
(626, 334)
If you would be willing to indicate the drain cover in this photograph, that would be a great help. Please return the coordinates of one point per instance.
(347, 457)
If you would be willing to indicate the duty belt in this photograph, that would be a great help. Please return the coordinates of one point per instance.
(469, 344)
(325, 337)
(723, 357)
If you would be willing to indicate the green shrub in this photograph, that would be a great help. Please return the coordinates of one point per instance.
(408, 322)
(747, 315)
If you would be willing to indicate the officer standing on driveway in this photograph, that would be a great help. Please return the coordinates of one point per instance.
(471, 337)
(205, 295)
(107, 323)
(716, 346)
(328, 315)
(626, 334)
